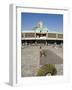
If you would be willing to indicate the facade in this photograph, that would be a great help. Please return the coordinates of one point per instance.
(40, 35)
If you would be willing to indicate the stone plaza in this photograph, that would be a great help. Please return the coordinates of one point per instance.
(31, 60)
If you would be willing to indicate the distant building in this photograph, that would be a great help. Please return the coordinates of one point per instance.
(40, 35)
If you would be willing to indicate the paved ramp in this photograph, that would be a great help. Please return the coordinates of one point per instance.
(50, 58)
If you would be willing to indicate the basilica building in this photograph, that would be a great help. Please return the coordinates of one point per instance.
(40, 35)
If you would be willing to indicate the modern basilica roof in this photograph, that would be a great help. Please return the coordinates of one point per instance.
(40, 27)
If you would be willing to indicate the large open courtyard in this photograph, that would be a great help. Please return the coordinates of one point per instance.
(31, 60)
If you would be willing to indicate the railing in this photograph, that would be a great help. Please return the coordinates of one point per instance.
(47, 36)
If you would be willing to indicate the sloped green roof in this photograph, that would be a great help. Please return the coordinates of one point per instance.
(44, 29)
(38, 29)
